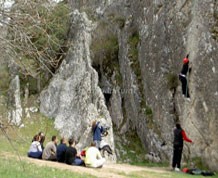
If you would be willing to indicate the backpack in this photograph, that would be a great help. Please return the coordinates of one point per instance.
(200, 172)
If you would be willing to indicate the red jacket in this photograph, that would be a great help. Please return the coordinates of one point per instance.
(184, 136)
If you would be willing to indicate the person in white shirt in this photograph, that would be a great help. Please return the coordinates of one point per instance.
(35, 150)
(93, 157)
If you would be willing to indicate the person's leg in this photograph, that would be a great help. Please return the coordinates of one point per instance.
(179, 158)
(108, 149)
(100, 162)
(184, 84)
(78, 162)
(185, 90)
(175, 155)
(52, 158)
(35, 155)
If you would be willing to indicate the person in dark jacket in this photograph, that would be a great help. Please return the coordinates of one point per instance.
(179, 137)
(71, 156)
(183, 76)
(97, 131)
(61, 149)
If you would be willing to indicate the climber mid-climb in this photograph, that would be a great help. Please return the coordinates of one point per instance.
(183, 76)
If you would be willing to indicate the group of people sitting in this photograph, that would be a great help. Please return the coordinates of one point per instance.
(90, 157)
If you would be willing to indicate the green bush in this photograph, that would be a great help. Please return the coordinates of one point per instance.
(120, 21)
(130, 148)
(148, 111)
(133, 56)
(133, 51)
(172, 81)
(105, 48)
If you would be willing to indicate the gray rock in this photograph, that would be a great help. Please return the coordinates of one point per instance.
(15, 113)
(73, 97)
(167, 32)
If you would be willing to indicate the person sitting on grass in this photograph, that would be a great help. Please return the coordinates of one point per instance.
(71, 156)
(93, 157)
(49, 153)
(42, 139)
(35, 150)
(61, 150)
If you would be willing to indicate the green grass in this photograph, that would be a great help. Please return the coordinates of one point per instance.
(105, 49)
(145, 174)
(15, 169)
(20, 138)
(11, 167)
(133, 151)
(172, 81)
(18, 144)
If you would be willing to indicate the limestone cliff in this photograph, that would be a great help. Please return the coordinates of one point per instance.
(139, 55)
(73, 97)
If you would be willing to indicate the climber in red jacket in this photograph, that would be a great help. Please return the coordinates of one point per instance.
(183, 76)
(179, 137)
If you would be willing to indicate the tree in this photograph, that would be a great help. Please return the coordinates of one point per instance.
(37, 35)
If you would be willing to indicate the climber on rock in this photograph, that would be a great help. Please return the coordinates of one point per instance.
(97, 130)
(183, 76)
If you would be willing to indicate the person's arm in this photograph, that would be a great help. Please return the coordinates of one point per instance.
(77, 154)
(190, 67)
(184, 136)
(39, 148)
(54, 149)
(102, 129)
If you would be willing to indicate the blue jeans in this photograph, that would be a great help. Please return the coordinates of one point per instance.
(78, 162)
(35, 154)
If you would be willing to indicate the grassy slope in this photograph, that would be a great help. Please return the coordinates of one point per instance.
(163, 175)
(18, 144)
(16, 169)
(21, 140)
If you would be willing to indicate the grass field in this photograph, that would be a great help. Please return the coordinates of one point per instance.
(13, 168)
(165, 175)
(16, 141)
(19, 139)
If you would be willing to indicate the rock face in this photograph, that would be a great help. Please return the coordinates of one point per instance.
(153, 37)
(73, 97)
(15, 113)
(141, 87)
